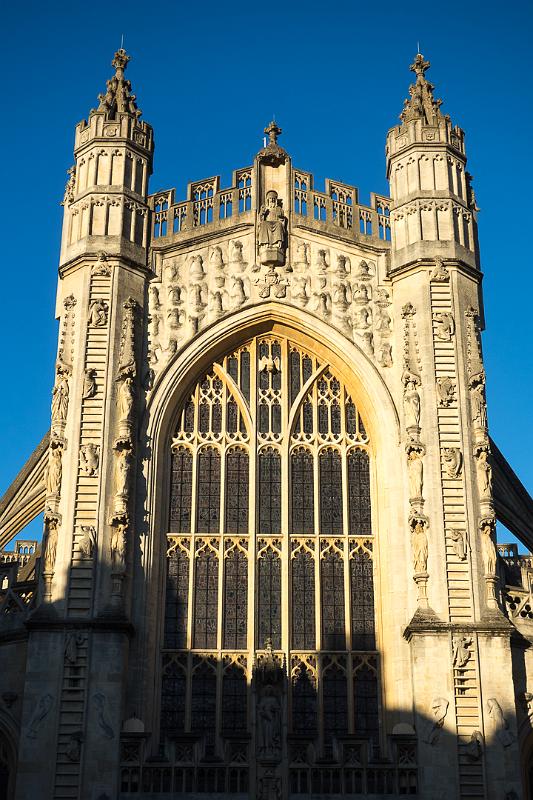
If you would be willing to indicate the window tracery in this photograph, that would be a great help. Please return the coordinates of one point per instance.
(272, 454)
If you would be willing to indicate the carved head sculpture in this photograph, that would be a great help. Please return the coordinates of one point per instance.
(271, 198)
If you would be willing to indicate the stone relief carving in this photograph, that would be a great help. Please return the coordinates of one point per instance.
(385, 354)
(439, 273)
(89, 459)
(478, 404)
(271, 284)
(503, 732)
(269, 727)
(54, 469)
(50, 549)
(483, 472)
(445, 326)
(101, 706)
(73, 748)
(453, 461)
(238, 295)
(70, 187)
(415, 467)
(445, 391)
(458, 540)
(438, 711)
(74, 640)
(118, 548)
(87, 542)
(488, 547)
(419, 544)
(411, 401)
(153, 299)
(269, 786)
(271, 238)
(60, 397)
(101, 267)
(42, 709)
(98, 311)
(236, 258)
(461, 652)
(474, 748)
(89, 384)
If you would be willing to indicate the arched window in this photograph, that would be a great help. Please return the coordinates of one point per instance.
(270, 547)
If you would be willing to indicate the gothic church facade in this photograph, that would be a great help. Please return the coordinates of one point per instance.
(269, 567)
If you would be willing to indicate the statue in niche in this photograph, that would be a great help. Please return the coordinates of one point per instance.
(86, 542)
(362, 318)
(174, 294)
(98, 314)
(125, 399)
(100, 703)
(269, 729)
(118, 548)
(154, 297)
(89, 384)
(238, 295)
(488, 548)
(174, 318)
(478, 403)
(382, 320)
(474, 748)
(445, 326)
(503, 734)
(419, 544)
(196, 270)
(439, 709)
(50, 549)
(89, 459)
(42, 709)
(60, 394)
(415, 468)
(411, 399)
(123, 466)
(461, 651)
(445, 391)
(74, 641)
(484, 473)
(54, 471)
(217, 307)
(272, 230)
(458, 539)
(453, 461)
(385, 354)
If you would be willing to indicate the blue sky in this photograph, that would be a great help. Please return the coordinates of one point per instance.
(208, 77)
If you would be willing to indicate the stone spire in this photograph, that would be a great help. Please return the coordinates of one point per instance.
(118, 97)
(421, 104)
(272, 152)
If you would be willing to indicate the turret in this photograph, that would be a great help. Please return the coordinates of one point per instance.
(434, 209)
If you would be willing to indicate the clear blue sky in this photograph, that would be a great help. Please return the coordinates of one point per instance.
(208, 77)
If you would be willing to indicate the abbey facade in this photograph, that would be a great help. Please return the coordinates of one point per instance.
(269, 567)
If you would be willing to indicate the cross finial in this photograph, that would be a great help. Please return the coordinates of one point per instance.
(273, 131)
(120, 61)
(419, 66)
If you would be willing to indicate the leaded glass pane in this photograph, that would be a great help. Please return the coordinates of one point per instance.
(362, 602)
(269, 492)
(205, 600)
(365, 693)
(237, 485)
(204, 701)
(302, 492)
(208, 499)
(234, 701)
(308, 417)
(351, 418)
(231, 416)
(269, 600)
(332, 592)
(276, 374)
(330, 493)
(335, 699)
(180, 491)
(173, 692)
(235, 600)
(295, 384)
(177, 596)
(216, 411)
(245, 375)
(359, 514)
(188, 417)
(304, 702)
(276, 418)
(203, 418)
(335, 418)
(233, 368)
(303, 601)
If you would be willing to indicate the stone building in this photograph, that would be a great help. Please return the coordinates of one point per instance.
(269, 565)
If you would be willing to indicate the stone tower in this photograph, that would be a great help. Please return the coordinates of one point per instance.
(269, 567)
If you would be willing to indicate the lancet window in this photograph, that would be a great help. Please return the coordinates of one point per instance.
(270, 549)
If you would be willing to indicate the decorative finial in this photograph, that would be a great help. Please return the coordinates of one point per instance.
(421, 104)
(419, 66)
(273, 131)
(118, 96)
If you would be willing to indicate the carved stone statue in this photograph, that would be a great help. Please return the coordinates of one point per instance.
(445, 326)
(238, 294)
(89, 459)
(54, 470)
(503, 733)
(474, 748)
(419, 544)
(382, 319)
(272, 228)
(100, 703)
(89, 383)
(488, 548)
(445, 391)
(98, 314)
(174, 294)
(385, 354)
(458, 539)
(235, 251)
(125, 399)
(154, 297)
(74, 641)
(118, 548)
(41, 711)
(60, 394)
(123, 465)
(453, 461)
(415, 468)
(87, 541)
(411, 399)
(484, 473)
(50, 549)
(478, 404)
(461, 650)
(269, 724)
(439, 709)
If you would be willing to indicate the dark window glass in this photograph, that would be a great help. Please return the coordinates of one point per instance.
(208, 500)
(235, 600)
(233, 368)
(173, 696)
(264, 421)
(303, 601)
(177, 595)
(245, 375)
(276, 418)
(304, 702)
(362, 602)
(351, 418)
(203, 418)
(234, 701)
(335, 698)
(330, 493)
(180, 491)
(231, 416)
(302, 492)
(332, 592)
(205, 605)
(188, 417)
(323, 421)
(204, 701)
(335, 418)
(269, 600)
(307, 370)
(276, 374)
(216, 418)
(308, 417)
(237, 482)
(269, 492)
(365, 695)
(359, 493)
(294, 366)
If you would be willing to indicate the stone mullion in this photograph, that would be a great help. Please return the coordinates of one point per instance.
(252, 506)
(285, 483)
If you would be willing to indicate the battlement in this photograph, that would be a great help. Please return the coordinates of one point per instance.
(337, 209)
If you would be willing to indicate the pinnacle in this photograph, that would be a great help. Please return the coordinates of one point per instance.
(118, 97)
(421, 104)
